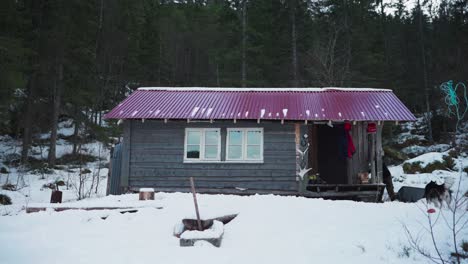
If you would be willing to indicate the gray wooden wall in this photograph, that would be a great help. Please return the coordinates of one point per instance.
(153, 156)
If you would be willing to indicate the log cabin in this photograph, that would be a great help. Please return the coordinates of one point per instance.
(311, 142)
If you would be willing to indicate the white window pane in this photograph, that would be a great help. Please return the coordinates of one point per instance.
(211, 152)
(193, 137)
(253, 152)
(211, 137)
(193, 151)
(235, 152)
(235, 137)
(254, 137)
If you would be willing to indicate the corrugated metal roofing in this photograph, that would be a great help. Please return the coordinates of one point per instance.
(269, 104)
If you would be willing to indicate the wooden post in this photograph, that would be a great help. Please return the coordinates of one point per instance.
(297, 139)
(373, 171)
(379, 155)
(192, 185)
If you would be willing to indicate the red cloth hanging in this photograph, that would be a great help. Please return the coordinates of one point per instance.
(351, 148)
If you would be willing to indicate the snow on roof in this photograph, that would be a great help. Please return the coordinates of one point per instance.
(330, 103)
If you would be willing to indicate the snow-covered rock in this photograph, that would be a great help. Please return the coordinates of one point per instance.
(215, 231)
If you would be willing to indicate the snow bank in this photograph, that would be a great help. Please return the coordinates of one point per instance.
(427, 158)
(418, 150)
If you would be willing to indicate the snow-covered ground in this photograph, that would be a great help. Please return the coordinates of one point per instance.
(268, 228)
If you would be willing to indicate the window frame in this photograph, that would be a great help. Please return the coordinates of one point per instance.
(202, 145)
(244, 144)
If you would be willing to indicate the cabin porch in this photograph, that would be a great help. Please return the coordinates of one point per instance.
(332, 173)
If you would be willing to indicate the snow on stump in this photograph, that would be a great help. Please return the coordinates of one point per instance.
(146, 194)
(213, 235)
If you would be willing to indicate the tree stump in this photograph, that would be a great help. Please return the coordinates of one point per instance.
(56, 197)
(146, 194)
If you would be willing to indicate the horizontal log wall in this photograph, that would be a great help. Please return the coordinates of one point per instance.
(156, 159)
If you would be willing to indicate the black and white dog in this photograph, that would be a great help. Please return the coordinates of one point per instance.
(438, 194)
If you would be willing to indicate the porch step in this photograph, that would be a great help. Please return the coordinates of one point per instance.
(345, 187)
(357, 192)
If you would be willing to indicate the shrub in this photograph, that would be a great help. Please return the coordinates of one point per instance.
(449, 162)
(412, 168)
(53, 185)
(12, 159)
(76, 159)
(5, 199)
(464, 246)
(405, 252)
(9, 187)
(39, 167)
(3, 170)
(453, 153)
(393, 155)
(415, 167)
(436, 165)
(85, 171)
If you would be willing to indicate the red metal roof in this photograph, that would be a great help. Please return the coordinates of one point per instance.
(270, 104)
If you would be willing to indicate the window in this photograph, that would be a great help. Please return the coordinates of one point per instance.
(202, 144)
(244, 144)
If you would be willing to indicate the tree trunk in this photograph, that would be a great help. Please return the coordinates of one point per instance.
(244, 43)
(27, 125)
(426, 87)
(76, 132)
(292, 8)
(347, 62)
(55, 114)
(36, 19)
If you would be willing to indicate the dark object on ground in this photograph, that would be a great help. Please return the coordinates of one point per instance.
(56, 197)
(49, 185)
(191, 224)
(5, 199)
(54, 185)
(387, 179)
(3, 170)
(122, 212)
(9, 187)
(85, 171)
(409, 194)
(437, 194)
(59, 183)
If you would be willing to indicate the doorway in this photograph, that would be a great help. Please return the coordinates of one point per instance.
(331, 151)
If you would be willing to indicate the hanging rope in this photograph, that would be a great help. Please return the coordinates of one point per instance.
(455, 103)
